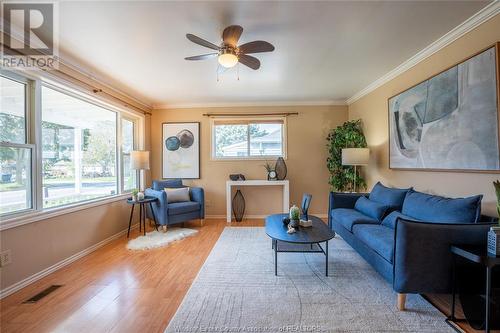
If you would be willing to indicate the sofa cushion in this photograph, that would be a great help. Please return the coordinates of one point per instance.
(393, 197)
(390, 220)
(349, 217)
(371, 208)
(377, 237)
(159, 185)
(177, 194)
(433, 208)
(177, 208)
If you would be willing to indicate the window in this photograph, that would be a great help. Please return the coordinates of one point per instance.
(247, 139)
(78, 150)
(16, 153)
(129, 176)
(59, 147)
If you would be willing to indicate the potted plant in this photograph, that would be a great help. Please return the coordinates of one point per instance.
(271, 173)
(134, 194)
(294, 216)
(348, 135)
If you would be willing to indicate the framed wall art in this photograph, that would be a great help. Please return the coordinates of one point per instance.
(450, 121)
(181, 150)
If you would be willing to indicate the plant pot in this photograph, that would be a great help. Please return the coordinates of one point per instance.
(294, 223)
(494, 241)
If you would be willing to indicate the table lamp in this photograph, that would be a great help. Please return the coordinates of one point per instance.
(139, 160)
(355, 157)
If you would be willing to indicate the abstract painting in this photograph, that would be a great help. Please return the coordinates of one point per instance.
(181, 150)
(450, 121)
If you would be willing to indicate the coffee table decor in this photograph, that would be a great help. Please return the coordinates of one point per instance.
(302, 240)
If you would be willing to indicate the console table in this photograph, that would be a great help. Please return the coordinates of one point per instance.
(230, 183)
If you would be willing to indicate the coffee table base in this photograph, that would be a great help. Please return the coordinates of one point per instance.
(311, 250)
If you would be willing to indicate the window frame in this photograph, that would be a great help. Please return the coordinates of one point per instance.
(249, 120)
(28, 140)
(34, 142)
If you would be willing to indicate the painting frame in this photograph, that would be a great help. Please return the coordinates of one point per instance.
(196, 174)
(495, 46)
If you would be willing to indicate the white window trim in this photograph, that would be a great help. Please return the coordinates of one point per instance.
(249, 158)
(33, 134)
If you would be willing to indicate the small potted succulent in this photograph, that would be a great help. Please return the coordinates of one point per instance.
(294, 216)
(494, 233)
(134, 194)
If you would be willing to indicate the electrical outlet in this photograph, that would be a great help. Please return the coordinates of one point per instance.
(5, 258)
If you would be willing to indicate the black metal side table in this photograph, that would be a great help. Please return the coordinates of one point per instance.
(479, 256)
(142, 212)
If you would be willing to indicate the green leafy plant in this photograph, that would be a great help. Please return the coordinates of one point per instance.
(348, 135)
(134, 192)
(294, 213)
(497, 191)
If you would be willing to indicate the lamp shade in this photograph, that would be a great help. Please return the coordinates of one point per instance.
(355, 156)
(139, 160)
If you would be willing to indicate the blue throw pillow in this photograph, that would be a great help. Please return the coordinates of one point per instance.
(389, 196)
(434, 208)
(159, 185)
(370, 208)
(390, 220)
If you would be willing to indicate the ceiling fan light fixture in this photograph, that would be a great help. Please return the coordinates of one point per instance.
(228, 60)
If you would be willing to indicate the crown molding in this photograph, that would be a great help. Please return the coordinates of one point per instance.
(471, 23)
(248, 104)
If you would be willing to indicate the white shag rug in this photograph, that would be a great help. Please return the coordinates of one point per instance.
(156, 239)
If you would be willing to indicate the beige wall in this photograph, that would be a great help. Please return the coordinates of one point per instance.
(306, 160)
(372, 109)
(39, 245)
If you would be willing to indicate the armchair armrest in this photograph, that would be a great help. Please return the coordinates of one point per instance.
(422, 257)
(159, 207)
(342, 200)
(198, 194)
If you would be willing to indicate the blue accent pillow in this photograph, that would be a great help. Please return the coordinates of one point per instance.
(390, 220)
(159, 185)
(434, 208)
(370, 208)
(392, 197)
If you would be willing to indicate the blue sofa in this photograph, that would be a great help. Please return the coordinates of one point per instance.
(177, 212)
(406, 235)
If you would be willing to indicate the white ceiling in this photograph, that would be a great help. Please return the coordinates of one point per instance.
(325, 51)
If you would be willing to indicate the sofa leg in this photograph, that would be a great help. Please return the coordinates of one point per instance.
(401, 302)
(164, 228)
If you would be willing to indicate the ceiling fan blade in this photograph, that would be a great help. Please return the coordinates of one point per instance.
(202, 56)
(232, 34)
(249, 61)
(256, 47)
(201, 41)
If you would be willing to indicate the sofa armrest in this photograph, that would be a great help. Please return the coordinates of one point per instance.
(198, 195)
(160, 206)
(342, 200)
(422, 257)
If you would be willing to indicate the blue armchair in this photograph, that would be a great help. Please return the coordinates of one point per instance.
(177, 212)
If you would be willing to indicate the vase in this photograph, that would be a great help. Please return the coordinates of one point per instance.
(280, 168)
(494, 241)
(238, 206)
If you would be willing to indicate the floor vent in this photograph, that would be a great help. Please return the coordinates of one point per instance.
(43, 293)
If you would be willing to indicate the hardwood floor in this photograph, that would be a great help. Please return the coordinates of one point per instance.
(116, 290)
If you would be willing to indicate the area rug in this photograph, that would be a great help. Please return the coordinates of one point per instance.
(156, 239)
(236, 291)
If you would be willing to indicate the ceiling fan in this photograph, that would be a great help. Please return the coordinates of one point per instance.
(228, 52)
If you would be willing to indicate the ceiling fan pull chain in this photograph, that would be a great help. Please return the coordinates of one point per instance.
(238, 71)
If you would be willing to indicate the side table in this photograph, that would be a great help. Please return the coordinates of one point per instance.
(479, 256)
(142, 212)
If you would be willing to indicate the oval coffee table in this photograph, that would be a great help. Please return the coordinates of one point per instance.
(312, 236)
